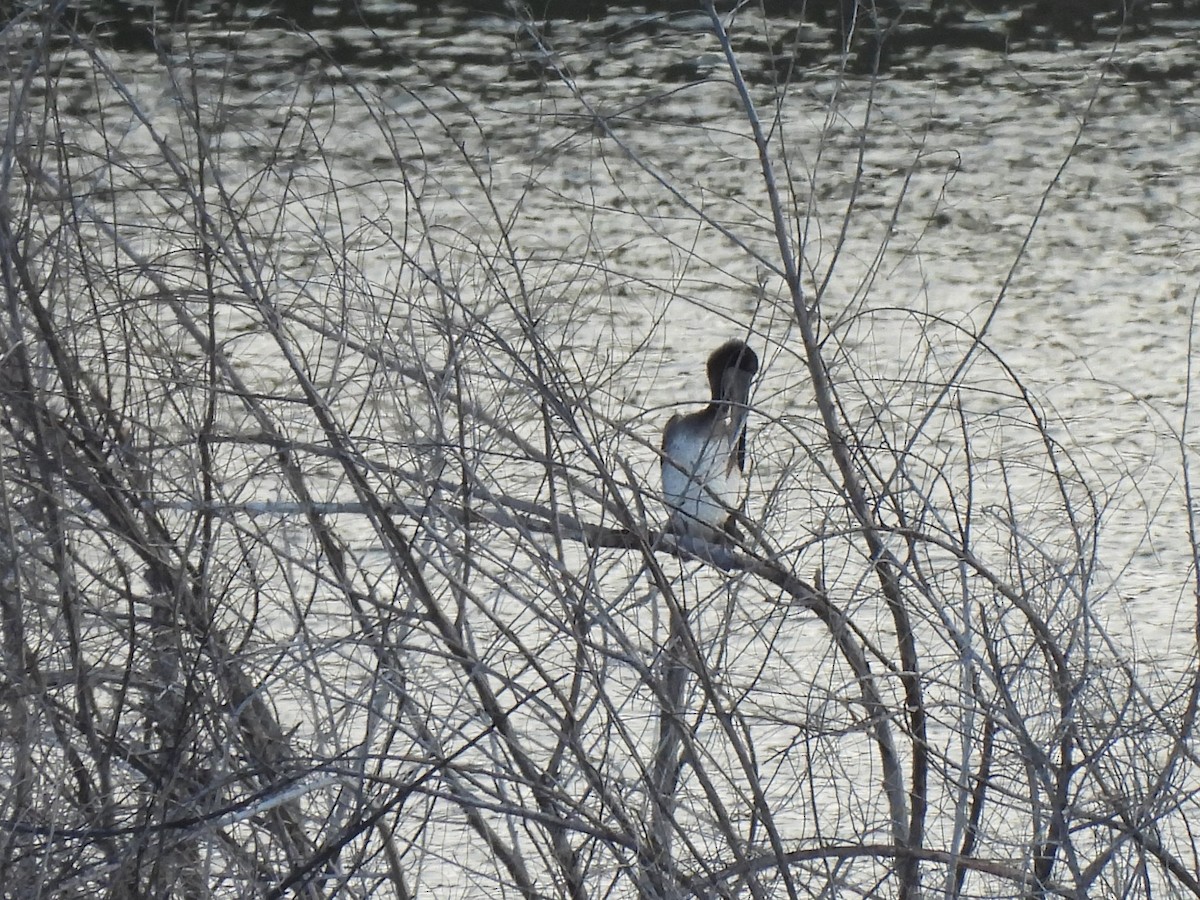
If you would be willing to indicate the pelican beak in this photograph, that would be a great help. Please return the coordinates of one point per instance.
(735, 386)
(735, 391)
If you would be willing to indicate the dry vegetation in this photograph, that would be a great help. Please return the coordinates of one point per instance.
(332, 576)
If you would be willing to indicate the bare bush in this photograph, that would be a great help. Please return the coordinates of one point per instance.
(334, 558)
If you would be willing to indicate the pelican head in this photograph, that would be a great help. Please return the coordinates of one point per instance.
(731, 369)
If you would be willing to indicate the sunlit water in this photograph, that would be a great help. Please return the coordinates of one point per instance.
(959, 149)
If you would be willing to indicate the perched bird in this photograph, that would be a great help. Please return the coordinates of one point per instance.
(704, 452)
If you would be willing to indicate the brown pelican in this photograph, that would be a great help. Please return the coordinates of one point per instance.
(704, 452)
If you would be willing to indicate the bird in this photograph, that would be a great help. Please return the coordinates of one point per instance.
(704, 452)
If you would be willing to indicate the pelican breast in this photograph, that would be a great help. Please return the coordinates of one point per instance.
(701, 475)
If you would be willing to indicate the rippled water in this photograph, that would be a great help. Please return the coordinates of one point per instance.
(918, 191)
(1041, 191)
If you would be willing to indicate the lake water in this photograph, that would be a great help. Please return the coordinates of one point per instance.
(423, 204)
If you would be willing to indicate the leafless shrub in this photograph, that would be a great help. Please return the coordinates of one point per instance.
(334, 561)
